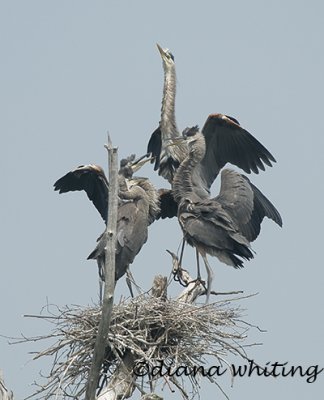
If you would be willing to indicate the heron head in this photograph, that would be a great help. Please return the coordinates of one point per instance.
(128, 160)
(130, 165)
(139, 162)
(125, 166)
(166, 55)
(190, 134)
(196, 142)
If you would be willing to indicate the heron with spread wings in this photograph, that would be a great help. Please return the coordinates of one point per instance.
(226, 141)
(138, 207)
(223, 226)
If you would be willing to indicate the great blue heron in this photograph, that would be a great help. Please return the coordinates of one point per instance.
(225, 225)
(226, 140)
(138, 207)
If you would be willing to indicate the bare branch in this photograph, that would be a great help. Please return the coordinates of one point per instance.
(108, 298)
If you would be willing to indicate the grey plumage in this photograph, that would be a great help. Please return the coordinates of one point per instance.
(246, 204)
(139, 205)
(226, 140)
(225, 225)
(133, 219)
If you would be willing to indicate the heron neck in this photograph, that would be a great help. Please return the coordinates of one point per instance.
(182, 185)
(154, 203)
(168, 121)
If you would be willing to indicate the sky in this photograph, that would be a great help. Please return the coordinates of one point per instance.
(73, 70)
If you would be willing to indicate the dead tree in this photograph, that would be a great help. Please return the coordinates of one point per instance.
(108, 298)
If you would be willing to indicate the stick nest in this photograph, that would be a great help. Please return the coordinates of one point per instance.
(147, 328)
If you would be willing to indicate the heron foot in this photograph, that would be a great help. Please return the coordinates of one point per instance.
(178, 276)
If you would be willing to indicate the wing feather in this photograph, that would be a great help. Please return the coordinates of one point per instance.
(154, 147)
(168, 206)
(236, 196)
(90, 178)
(262, 207)
(227, 141)
(245, 203)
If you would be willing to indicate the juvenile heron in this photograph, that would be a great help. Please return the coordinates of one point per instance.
(226, 140)
(225, 225)
(138, 206)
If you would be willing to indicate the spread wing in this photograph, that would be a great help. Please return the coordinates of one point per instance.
(90, 178)
(236, 196)
(245, 203)
(227, 141)
(168, 206)
(262, 207)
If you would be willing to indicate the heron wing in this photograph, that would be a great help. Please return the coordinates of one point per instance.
(131, 221)
(90, 178)
(236, 196)
(262, 207)
(245, 203)
(227, 141)
(168, 206)
(131, 235)
(154, 147)
(209, 227)
(167, 159)
(208, 210)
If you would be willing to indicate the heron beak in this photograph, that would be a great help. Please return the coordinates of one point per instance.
(174, 257)
(138, 164)
(162, 52)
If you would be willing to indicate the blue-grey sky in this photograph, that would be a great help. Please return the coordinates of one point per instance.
(71, 70)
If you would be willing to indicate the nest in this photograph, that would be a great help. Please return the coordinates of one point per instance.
(144, 330)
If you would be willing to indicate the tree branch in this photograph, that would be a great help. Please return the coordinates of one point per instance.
(108, 298)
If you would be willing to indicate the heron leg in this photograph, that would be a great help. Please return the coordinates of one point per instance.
(210, 276)
(100, 290)
(129, 280)
(178, 273)
(100, 264)
(182, 251)
(129, 283)
(198, 266)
